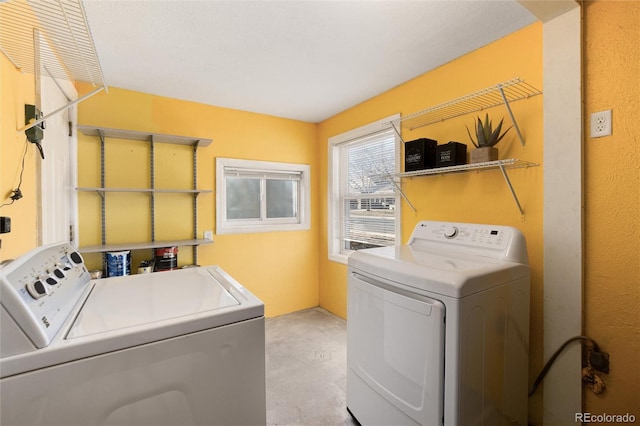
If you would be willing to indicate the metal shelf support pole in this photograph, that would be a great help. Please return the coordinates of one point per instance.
(395, 129)
(103, 200)
(153, 186)
(59, 110)
(513, 193)
(513, 119)
(402, 194)
(195, 200)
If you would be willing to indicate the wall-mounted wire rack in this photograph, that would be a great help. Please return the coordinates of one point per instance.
(502, 165)
(500, 94)
(509, 163)
(52, 37)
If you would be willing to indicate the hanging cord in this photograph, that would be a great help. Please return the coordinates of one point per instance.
(17, 193)
(547, 366)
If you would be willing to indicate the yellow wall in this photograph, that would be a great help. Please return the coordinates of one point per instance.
(612, 200)
(287, 279)
(16, 90)
(279, 267)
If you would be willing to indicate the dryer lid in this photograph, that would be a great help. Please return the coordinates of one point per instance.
(449, 258)
(149, 300)
(448, 273)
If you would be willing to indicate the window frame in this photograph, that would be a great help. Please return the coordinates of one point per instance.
(264, 168)
(335, 195)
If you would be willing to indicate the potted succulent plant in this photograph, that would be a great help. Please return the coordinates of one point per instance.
(486, 139)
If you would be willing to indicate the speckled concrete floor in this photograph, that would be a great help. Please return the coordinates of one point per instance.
(306, 359)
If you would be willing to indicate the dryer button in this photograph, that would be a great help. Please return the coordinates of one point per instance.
(450, 232)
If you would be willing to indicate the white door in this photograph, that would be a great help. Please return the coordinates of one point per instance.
(395, 354)
(57, 179)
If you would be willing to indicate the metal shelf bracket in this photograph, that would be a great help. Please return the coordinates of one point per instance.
(513, 193)
(513, 119)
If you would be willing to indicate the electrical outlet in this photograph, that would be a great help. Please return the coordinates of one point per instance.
(599, 361)
(5, 224)
(208, 235)
(601, 124)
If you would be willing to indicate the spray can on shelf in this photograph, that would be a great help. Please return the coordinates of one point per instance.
(166, 258)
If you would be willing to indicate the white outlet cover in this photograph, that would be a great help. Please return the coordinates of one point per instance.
(601, 124)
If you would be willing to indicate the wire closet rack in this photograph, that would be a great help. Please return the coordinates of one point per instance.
(500, 94)
(51, 37)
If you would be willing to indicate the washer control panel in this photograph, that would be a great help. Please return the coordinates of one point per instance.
(500, 242)
(40, 289)
(480, 236)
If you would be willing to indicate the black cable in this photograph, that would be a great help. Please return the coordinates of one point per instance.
(17, 193)
(555, 355)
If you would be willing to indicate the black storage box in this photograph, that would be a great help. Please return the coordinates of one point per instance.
(420, 154)
(451, 154)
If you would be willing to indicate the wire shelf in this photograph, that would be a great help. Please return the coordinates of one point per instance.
(65, 48)
(101, 248)
(502, 165)
(513, 90)
(509, 163)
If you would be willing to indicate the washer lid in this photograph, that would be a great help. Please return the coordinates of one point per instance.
(445, 272)
(150, 299)
(125, 312)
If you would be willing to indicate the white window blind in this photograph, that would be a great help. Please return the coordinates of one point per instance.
(368, 198)
(262, 195)
(365, 206)
(257, 196)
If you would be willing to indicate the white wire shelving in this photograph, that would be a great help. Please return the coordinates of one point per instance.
(509, 163)
(502, 165)
(52, 38)
(500, 94)
(503, 93)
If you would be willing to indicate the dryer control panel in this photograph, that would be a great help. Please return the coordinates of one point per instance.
(38, 292)
(496, 241)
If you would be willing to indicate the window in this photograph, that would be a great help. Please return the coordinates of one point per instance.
(260, 196)
(364, 210)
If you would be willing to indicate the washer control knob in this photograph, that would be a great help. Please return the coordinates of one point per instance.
(58, 272)
(75, 258)
(450, 232)
(36, 289)
(51, 280)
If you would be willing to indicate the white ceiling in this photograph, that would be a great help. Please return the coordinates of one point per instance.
(305, 60)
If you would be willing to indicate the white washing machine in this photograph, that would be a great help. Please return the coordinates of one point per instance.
(183, 347)
(438, 329)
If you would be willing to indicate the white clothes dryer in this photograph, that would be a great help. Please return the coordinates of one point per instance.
(182, 347)
(438, 329)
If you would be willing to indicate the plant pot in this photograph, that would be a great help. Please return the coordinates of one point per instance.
(481, 155)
